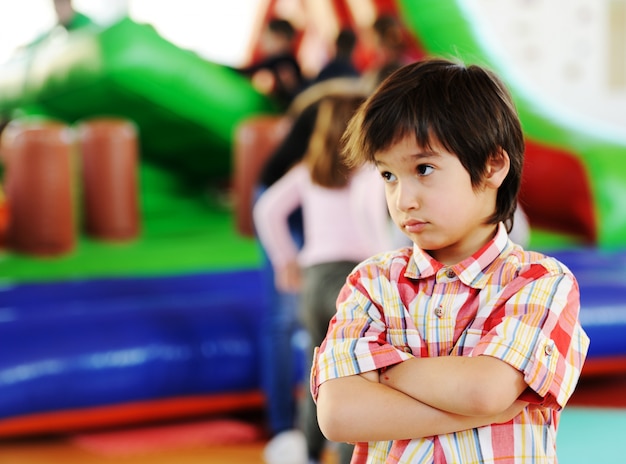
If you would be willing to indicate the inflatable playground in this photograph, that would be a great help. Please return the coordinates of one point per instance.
(159, 317)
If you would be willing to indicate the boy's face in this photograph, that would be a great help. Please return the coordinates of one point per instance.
(431, 199)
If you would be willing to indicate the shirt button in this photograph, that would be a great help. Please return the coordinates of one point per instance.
(439, 312)
(450, 274)
(548, 350)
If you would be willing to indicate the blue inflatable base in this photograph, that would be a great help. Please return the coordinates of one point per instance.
(72, 345)
(89, 343)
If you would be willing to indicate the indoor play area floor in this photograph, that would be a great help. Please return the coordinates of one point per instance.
(591, 431)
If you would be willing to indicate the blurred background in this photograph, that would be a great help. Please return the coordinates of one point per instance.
(218, 32)
(132, 286)
(571, 52)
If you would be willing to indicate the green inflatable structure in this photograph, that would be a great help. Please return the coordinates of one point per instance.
(184, 106)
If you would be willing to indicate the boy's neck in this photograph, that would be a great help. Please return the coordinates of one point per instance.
(474, 245)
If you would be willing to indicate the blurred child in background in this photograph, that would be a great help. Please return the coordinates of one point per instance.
(277, 72)
(335, 237)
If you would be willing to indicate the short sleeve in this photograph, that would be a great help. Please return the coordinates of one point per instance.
(356, 341)
(539, 334)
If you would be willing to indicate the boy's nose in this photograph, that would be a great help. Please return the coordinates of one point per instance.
(407, 197)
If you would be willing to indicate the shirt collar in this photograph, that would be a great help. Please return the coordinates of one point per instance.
(470, 270)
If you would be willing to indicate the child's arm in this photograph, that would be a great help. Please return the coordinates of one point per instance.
(473, 386)
(534, 343)
(357, 408)
(271, 213)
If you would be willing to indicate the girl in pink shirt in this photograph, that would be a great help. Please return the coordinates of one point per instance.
(345, 221)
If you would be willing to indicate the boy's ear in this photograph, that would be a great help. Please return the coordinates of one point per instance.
(498, 167)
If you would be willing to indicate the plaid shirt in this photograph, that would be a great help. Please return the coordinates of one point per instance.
(518, 306)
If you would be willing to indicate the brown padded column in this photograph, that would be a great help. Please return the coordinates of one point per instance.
(109, 157)
(255, 140)
(39, 182)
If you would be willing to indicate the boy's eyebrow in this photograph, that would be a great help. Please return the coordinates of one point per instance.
(418, 156)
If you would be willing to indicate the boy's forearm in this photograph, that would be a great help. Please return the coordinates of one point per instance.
(355, 409)
(478, 386)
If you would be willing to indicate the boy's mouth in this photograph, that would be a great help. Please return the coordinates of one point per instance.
(413, 226)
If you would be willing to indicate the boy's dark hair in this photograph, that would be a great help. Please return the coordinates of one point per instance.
(466, 109)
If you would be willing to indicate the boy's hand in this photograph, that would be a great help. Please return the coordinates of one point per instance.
(515, 409)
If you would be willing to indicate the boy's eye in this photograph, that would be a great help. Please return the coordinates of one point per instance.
(387, 176)
(424, 169)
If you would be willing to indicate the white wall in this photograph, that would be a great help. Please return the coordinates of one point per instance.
(569, 52)
(215, 29)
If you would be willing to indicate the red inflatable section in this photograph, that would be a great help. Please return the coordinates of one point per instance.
(128, 413)
(551, 203)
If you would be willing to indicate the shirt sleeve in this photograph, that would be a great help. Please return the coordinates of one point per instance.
(357, 338)
(538, 332)
(271, 213)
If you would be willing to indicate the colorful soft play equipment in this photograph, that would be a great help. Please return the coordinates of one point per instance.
(163, 322)
(126, 293)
